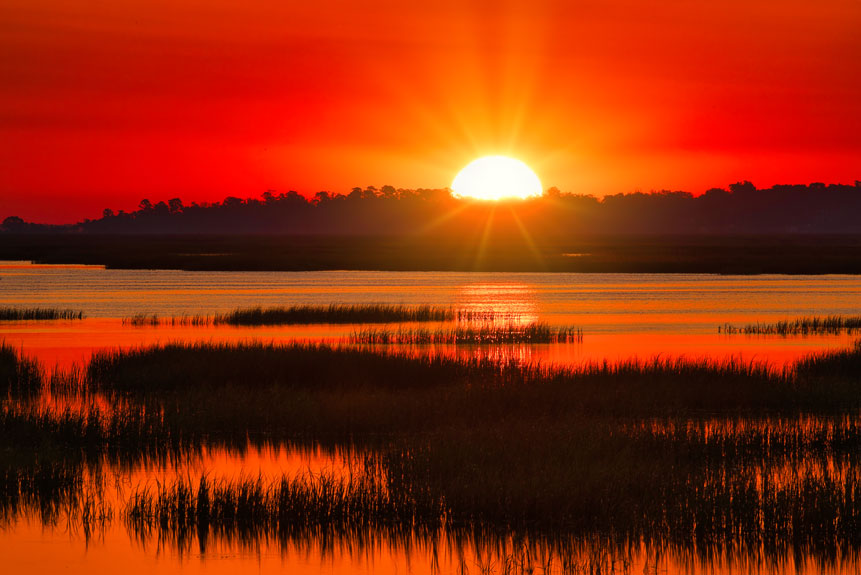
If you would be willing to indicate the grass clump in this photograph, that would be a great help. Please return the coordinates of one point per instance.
(306, 503)
(825, 367)
(596, 479)
(305, 315)
(814, 325)
(154, 320)
(42, 465)
(634, 386)
(311, 388)
(19, 375)
(689, 454)
(493, 334)
(336, 313)
(38, 313)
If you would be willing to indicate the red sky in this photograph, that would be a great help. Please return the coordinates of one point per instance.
(105, 102)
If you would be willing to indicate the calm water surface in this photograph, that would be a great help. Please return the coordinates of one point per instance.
(622, 315)
(605, 303)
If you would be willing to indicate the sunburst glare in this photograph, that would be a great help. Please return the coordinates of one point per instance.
(496, 178)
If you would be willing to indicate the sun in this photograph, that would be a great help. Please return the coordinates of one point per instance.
(496, 178)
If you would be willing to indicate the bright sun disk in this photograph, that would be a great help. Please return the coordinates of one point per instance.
(496, 178)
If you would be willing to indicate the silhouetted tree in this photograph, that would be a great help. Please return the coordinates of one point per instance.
(743, 209)
(14, 224)
(742, 188)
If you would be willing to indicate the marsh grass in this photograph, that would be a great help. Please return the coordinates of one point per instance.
(305, 501)
(487, 316)
(531, 447)
(311, 374)
(38, 313)
(42, 469)
(337, 313)
(673, 488)
(667, 489)
(705, 456)
(306, 314)
(123, 436)
(708, 485)
(814, 325)
(482, 334)
(154, 320)
(359, 514)
(841, 364)
(53, 463)
(19, 374)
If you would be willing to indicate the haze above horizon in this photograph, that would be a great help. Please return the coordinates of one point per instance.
(104, 104)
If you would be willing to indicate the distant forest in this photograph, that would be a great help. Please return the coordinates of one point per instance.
(742, 209)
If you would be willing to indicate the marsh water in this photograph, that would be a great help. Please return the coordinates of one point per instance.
(621, 315)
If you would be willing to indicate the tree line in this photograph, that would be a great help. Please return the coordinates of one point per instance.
(814, 208)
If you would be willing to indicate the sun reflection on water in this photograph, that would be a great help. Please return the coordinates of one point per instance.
(498, 303)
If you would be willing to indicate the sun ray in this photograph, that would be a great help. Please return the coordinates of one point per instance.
(527, 239)
(440, 220)
(483, 241)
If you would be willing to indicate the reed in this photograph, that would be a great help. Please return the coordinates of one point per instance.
(703, 484)
(694, 454)
(142, 319)
(52, 463)
(300, 393)
(249, 508)
(336, 313)
(38, 313)
(487, 316)
(53, 491)
(594, 485)
(307, 314)
(840, 364)
(635, 387)
(488, 334)
(19, 375)
(154, 320)
(123, 435)
(664, 487)
(814, 325)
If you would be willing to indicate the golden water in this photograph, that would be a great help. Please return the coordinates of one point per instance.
(622, 316)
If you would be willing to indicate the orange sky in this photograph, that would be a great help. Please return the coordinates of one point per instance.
(105, 102)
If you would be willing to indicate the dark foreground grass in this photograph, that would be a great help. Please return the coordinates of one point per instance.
(42, 465)
(38, 313)
(550, 480)
(306, 502)
(625, 452)
(838, 364)
(814, 325)
(656, 487)
(510, 444)
(470, 335)
(125, 435)
(19, 375)
(307, 314)
(712, 486)
(822, 383)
